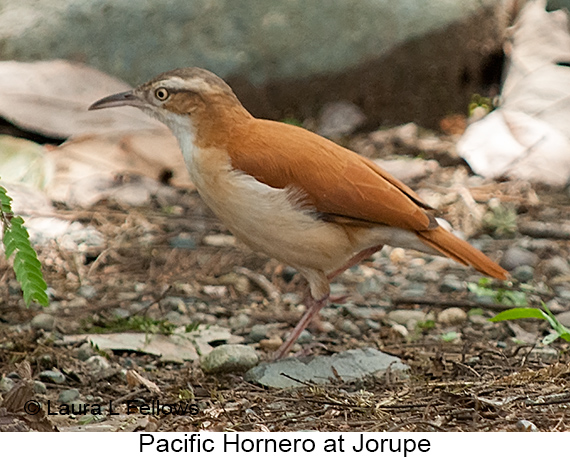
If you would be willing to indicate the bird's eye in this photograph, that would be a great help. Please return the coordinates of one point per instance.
(161, 94)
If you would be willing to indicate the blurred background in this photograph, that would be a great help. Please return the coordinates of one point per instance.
(397, 61)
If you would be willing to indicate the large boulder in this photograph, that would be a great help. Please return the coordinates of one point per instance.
(397, 60)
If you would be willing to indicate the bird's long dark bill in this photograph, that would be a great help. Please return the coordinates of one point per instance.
(121, 99)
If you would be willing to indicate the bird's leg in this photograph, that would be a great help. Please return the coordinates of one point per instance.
(355, 260)
(314, 306)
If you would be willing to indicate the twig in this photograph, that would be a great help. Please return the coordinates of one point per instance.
(262, 282)
(439, 303)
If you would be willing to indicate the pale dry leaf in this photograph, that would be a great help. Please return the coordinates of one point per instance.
(528, 136)
(52, 97)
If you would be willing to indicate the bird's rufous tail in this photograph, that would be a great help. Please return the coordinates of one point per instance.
(461, 251)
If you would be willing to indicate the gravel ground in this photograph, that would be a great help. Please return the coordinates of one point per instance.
(171, 264)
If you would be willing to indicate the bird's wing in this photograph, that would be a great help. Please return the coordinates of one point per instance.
(335, 181)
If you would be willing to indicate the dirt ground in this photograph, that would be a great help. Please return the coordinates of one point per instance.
(483, 377)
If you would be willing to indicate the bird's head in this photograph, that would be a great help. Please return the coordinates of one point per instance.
(182, 97)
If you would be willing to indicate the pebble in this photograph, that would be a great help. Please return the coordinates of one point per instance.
(271, 344)
(183, 241)
(53, 376)
(371, 285)
(414, 290)
(564, 318)
(516, 257)
(259, 332)
(305, 337)
(347, 326)
(239, 321)
(544, 355)
(526, 426)
(173, 304)
(219, 240)
(121, 313)
(451, 283)
(229, 358)
(327, 327)
(364, 312)
(178, 319)
(87, 291)
(43, 321)
(97, 364)
(523, 273)
(406, 316)
(6, 384)
(556, 266)
(339, 118)
(77, 302)
(67, 396)
(338, 289)
(84, 352)
(422, 275)
(372, 324)
(478, 319)
(452, 316)
(563, 293)
(40, 388)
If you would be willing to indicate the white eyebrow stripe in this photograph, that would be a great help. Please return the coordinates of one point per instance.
(194, 84)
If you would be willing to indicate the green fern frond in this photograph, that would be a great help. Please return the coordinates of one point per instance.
(16, 242)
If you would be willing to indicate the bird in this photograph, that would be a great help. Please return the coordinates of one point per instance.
(290, 193)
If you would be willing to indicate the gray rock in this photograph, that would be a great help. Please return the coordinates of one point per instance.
(87, 291)
(364, 312)
(478, 319)
(53, 376)
(422, 275)
(451, 283)
(305, 337)
(85, 351)
(340, 118)
(516, 257)
(239, 321)
(259, 332)
(544, 354)
(43, 322)
(121, 313)
(523, 273)
(563, 293)
(372, 324)
(6, 384)
(338, 289)
(556, 266)
(261, 43)
(452, 316)
(183, 241)
(348, 326)
(40, 388)
(229, 358)
(177, 319)
(174, 304)
(564, 318)
(97, 365)
(67, 396)
(350, 366)
(371, 285)
(414, 290)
